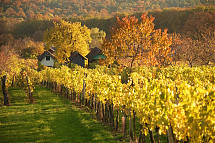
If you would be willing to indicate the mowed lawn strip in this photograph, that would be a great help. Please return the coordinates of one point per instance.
(50, 119)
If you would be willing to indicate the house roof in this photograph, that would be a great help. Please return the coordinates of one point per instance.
(93, 53)
(45, 54)
(74, 54)
(52, 50)
(99, 56)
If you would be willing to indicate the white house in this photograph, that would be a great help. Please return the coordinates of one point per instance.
(47, 59)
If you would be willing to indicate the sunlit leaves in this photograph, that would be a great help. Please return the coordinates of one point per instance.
(182, 97)
(138, 41)
(68, 37)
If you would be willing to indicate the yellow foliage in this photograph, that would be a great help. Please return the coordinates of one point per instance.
(68, 37)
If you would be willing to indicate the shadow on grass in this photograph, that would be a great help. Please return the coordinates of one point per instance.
(50, 119)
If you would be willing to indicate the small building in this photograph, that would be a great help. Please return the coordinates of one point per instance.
(94, 55)
(47, 59)
(77, 58)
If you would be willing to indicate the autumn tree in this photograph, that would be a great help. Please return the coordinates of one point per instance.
(187, 51)
(199, 38)
(30, 48)
(200, 25)
(194, 52)
(97, 37)
(68, 37)
(137, 41)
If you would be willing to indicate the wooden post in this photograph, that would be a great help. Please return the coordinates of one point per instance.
(50, 85)
(3, 80)
(157, 134)
(56, 86)
(71, 95)
(106, 112)
(134, 124)
(151, 135)
(111, 115)
(170, 135)
(97, 110)
(117, 119)
(130, 127)
(103, 112)
(13, 81)
(74, 95)
(95, 103)
(79, 98)
(88, 102)
(124, 130)
(187, 139)
(83, 90)
(53, 86)
(92, 101)
(142, 135)
(30, 94)
(61, 89)
(67, 93)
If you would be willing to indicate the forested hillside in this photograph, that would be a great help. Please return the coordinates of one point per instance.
(192, 22)
(179, 20)
(43, 9)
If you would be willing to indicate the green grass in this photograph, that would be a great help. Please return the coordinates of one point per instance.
(50, 119)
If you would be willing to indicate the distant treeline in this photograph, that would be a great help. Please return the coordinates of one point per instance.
(176, 20)
(47, 9)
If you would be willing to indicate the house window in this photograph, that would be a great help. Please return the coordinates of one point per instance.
(48, 58)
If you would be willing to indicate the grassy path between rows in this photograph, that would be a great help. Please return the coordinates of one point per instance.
(50, 119)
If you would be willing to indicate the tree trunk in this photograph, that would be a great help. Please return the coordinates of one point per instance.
(3, 80)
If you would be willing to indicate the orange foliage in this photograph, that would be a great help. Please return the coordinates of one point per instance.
(138, 41)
